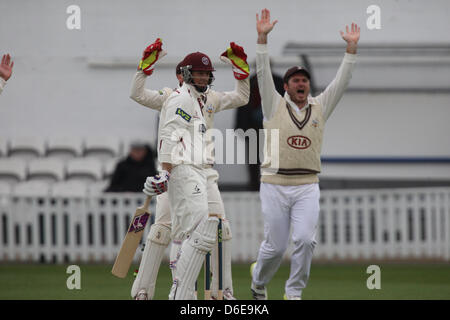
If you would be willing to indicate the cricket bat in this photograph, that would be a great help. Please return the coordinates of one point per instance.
(131, 240)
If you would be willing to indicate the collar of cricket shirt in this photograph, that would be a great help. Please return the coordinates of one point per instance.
(197, 96)
(200, 98)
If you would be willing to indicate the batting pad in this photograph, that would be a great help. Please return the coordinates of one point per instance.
(175, 250)
(157, 242)
(193, 253)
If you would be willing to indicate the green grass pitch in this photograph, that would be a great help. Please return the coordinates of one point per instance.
(327, 281)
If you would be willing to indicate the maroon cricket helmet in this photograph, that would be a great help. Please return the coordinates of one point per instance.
(196, 61)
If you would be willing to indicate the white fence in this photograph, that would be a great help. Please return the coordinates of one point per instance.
(388, 224)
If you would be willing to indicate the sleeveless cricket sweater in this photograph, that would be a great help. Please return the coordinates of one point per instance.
(293, 158)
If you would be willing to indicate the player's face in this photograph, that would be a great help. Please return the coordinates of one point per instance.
(200, 78)
(298, 88)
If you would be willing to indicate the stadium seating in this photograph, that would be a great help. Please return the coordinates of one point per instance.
(72, 188)
(109, 166)
(97, 188)
(102, 147)
(64, 147)
(84, 169)
(3, 148)
(32, 189)
(46, 169)
(64, 165)
(12, 170)
(5, 189)
(26, 147)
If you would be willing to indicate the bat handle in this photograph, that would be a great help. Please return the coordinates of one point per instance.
(147, 202)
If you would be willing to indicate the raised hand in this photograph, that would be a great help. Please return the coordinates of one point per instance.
(264, 26)
(151, 54)
(351, 35)
(6, 67)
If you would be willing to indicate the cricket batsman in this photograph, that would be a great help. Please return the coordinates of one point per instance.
(160, 232)
(289, 191)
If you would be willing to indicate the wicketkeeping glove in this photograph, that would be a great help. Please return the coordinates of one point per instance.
(236, 56)
(151, 54)
(157, 184)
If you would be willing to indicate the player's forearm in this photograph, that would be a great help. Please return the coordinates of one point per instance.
(167, 166)
(149, 98)
(335, 90)
(174, 128)
(166, 151)
(351, 47)
(243, 92)
(262, 38)
(237, 98)
(168, 143)
(2, 84)
(266, 86)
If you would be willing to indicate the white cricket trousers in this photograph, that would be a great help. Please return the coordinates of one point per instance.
(188, 200)
(215, 203)
(285, 208)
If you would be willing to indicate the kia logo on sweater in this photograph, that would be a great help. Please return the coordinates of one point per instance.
(299, 142)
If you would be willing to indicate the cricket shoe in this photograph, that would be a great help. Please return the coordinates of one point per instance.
(141, 295)
(258, 292)
(227, 295)
(288, 297)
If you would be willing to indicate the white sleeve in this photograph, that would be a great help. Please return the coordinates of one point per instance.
(149, 98)
(269, 95)
(178, 115)
(2, 84)
(330, 97)
(234, 99)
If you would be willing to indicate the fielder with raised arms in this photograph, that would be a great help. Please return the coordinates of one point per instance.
(160, 233)
(290, 192)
